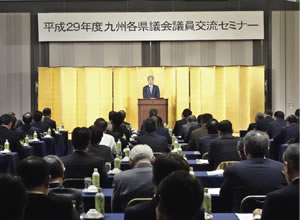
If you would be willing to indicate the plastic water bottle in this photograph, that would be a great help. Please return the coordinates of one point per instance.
(6, 145)
(179, 151)
(96, 178)
(176, 145)
(117, 163)
(26, 141)
(57, 129)
(119, 146)
(35, 137)
(207, 201)
(127, 150)
(173, 139)
(192, 171)
(49, 132)
(170, 131)
(100, 201)
(62, 126)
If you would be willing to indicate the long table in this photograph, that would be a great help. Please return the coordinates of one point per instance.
(216, 216)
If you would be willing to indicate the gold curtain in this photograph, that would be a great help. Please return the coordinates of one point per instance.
(77, 96)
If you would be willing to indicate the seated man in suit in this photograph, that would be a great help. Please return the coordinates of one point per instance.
(57, 171)
(255, 176)
(252, 126)
(192, 128)
(179, 123)
(212, 130)
(223, 148)
(13, 138)
(81, 163)
(34, 173)
(190, 122)
(107, 139)
(38, 123)
(128, 125)
(12, 198)
(199, 132)
(276, 125)
(47, 118)
(152, 139)
(27, 128)
(136, 182)
(284, 203)
(164, 165)
(151, 91)
(264, 124)
(119, 129)
(180, 197)
(95, 148)
(164, 132)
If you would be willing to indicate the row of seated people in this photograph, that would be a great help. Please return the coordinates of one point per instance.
(15, 131)
(177, 194)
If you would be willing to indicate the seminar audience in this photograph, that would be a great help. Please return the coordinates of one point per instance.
(81, 163)
(212, 130)
(27, 128)
(255, 176)
(179, 123)
(136, 182)
(223, 148)
(47, 118)
(264, 124)
(38, 123)
(190, 121)
(276, 125)
(164, 165)
(151, 138)
(95, 148)
(252, 126)
(284, 203)
(57, 171)
(12, 198)
(180, 197)
(34, 173)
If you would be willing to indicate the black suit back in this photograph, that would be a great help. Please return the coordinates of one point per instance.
(101, 151)
(156, 142)
(264, 124)
(81, 164)
(48, 208)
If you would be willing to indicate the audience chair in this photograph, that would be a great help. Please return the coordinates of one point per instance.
(137, 201)
(223, 165)
(249, 203)
(205, 156)
(77, 183)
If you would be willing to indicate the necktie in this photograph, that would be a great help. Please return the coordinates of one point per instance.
(151, 88)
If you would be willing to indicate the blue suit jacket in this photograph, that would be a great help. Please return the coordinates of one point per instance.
(148, 95)
(256, 176)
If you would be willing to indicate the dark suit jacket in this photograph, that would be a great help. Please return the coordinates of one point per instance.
(178, 126)
(205, 141)
(27, 130)
(285, 134)
(189, 134)
(13, 139)
(146, 211)
(275, 127)
(51, 122)
(56, 188)
(282, 203)
(195, 136)
(48, 208)
(186, 128)
(81, 164)
(264, 124)
(118, 132)
(41, 125)
(155, 141)
(130, 184)
(101, 151)
(155, 92)
(162, 132)
(223, 149)
(251, 127)
(256, 176)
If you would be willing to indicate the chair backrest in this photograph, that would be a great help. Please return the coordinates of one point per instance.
(205, 155)
(137, 201)
(223, 165)
(77, 183)
(156, 154)
(251, 202)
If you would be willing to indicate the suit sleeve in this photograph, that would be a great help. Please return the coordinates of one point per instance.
(267, 210)
(211, 155)
(116, 200)
(192, 143)
(158, 92)
(226, 192)
(145, 93)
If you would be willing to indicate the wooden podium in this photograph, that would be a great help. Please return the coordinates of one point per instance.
(144, 105)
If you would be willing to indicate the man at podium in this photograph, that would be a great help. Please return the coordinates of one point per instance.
(151, 91)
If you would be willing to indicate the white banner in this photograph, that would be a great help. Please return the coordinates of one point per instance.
(151, 26)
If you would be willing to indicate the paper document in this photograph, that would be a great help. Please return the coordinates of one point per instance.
(201, 161)
(215, 173)
(214, 191)
(244, 216)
